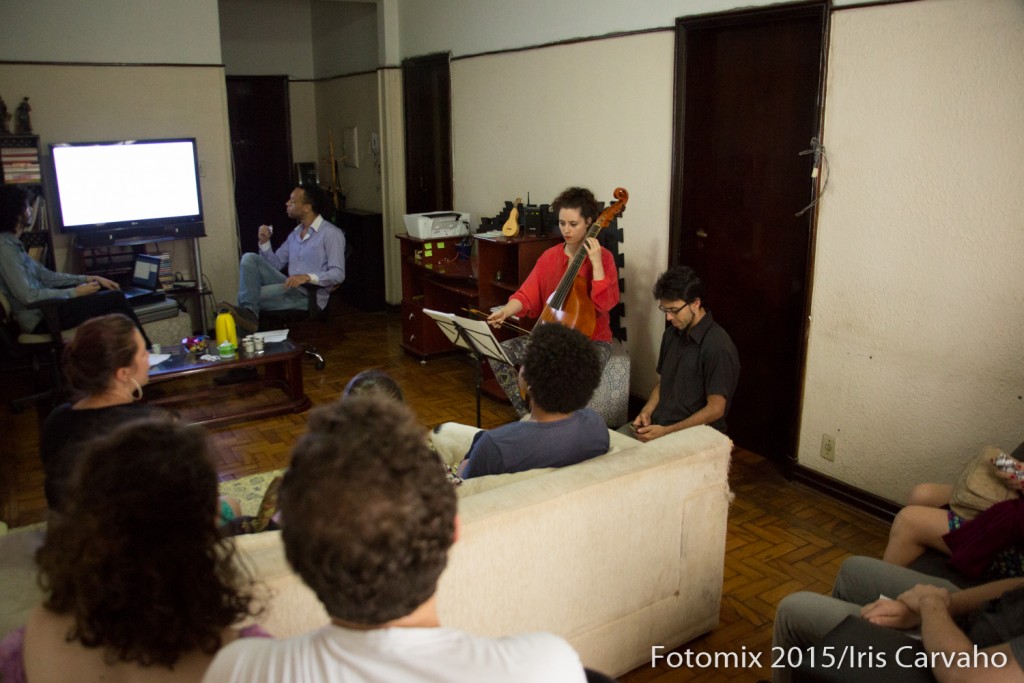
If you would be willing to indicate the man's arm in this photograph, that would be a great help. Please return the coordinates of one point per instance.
(18, 274)
(940, 634)
(712, 410)
(334, 248)
(644, 418)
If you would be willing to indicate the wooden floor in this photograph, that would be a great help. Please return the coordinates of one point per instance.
(782, 537)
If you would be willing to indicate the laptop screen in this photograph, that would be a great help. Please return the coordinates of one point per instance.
(147, 271)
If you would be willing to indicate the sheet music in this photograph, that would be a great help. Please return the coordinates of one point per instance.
(479, 332)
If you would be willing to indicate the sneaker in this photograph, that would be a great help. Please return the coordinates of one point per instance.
(245, 319)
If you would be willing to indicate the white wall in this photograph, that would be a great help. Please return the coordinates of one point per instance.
(344, 37)
(914, 356)
(343, 103)
(110, 31)
(606, 126)
(474, 26)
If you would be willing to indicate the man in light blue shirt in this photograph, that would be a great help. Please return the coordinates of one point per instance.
(313, 253)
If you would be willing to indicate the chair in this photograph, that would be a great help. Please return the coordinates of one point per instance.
(611, 398)
(284, 318)
(37, 348)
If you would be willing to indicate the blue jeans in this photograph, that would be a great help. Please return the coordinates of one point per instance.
(261, 286)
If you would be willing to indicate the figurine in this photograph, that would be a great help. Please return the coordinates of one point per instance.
(24, 122)
(5, 117)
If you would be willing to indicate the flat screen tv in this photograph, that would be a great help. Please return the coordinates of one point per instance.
(127, 186)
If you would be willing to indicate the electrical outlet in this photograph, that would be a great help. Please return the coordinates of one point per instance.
(828, 448)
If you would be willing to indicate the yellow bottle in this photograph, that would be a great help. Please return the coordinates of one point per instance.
(225, 326)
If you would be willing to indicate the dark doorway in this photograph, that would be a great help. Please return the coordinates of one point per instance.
(427, 98)
(748, 102)
(261, 147)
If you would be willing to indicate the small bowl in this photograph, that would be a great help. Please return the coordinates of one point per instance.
(196, 344)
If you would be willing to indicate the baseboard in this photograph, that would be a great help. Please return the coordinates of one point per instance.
(857, 498)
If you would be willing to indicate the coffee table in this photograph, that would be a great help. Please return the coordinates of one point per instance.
(281, 365)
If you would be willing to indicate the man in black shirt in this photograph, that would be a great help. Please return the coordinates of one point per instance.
(698, 366)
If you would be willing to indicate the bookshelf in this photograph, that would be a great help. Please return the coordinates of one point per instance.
(20, 165)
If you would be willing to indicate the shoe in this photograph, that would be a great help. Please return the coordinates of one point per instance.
(245, 319)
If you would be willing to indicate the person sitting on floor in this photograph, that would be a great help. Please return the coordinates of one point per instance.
(952, 622)
(369, 520)
(314, 252)
(559, 374)
(926, 523)
(373, 381)
(140, 583)
(25, 281)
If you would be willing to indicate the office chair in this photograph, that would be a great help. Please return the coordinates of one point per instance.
(270, 320)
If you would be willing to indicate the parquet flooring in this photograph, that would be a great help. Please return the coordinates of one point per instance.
(781, 537)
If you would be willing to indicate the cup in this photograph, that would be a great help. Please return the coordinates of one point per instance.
(249, 346)
(258, 344)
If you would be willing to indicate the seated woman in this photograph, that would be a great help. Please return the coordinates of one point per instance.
(106, 366)
(577, 210)
(25, 281)
(559, 374)
(927, 519)
(140, 583)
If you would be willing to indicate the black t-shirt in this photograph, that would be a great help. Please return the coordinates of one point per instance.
(65, 433)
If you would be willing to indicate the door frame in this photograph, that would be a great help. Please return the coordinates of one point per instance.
(676, 214)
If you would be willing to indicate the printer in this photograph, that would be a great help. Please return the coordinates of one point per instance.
(437, 224)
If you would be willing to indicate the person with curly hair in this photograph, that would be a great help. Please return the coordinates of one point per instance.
(577, 209)
(140, 583)
(698, 365)
(559, 374)
(369, 521)
(25, 281)
(373, 381)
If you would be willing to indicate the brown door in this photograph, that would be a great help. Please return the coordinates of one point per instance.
(426, 95)
(748, 104)
(261, 148)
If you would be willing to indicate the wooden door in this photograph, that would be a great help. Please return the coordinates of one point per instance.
(426, 94)
(748, 104)
(261, 148)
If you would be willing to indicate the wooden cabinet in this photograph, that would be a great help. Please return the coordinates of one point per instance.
(435, 276)
(364, 264)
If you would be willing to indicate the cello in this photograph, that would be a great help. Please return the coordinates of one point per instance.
(570, 304)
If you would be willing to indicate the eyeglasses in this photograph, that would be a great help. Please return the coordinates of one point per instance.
(672, 311)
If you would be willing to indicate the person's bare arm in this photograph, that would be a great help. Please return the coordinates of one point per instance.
(712, 410)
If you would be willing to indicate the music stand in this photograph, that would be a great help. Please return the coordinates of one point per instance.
(476, 337)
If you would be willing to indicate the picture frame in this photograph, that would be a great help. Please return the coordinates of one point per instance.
(350, 146)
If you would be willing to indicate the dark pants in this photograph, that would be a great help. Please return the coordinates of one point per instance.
(75, 311)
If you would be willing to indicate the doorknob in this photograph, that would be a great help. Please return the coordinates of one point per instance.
(701, 233)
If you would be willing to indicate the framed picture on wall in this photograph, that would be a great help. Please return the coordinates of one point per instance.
(305, 173)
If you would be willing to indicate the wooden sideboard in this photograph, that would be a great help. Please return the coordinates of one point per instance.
(436, 276)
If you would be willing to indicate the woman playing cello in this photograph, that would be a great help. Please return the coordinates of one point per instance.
(577, 209)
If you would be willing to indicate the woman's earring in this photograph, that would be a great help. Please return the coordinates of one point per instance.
(137, 389)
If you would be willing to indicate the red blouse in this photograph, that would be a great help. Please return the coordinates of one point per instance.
(548, 271)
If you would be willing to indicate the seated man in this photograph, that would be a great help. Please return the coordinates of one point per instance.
(698, 366)
(560, 371)
(314, 252)
(25, 281)
(368, 521)
(989, 616)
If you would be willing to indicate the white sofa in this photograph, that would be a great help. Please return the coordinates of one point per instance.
(616, 554)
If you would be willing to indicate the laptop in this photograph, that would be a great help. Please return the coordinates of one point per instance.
(145, 287)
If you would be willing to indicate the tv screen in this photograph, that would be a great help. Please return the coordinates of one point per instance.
(115, 185)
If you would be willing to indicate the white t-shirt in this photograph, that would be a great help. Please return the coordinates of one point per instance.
(339, 655)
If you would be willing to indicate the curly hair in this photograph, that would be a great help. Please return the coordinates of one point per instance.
(101, 346)
(138, 562)
(561, 367)
(579, 198)
(368, 513)
(679, 283)
(316, 197)
(12, 206)
(373, 381)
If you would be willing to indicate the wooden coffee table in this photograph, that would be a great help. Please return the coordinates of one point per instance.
(276, 390)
